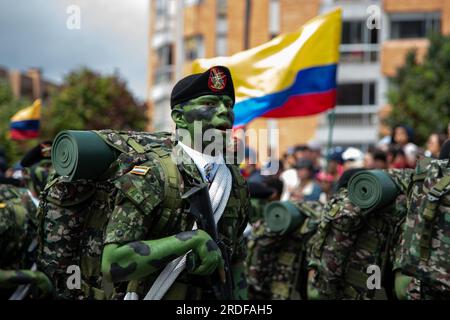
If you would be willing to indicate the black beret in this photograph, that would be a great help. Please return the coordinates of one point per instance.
(216, 81)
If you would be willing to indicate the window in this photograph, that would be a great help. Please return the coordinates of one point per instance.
(356, 94)
(165, 55)
(222, 7)
(163, 75)
(188, 3)
(194, 48)
(221, 45)
(359, 44)
(221, 28)
(161, 7)
(274, 18)
(404, 26)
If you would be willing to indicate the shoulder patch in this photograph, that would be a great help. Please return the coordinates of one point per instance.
(2, 205)
(140, 170)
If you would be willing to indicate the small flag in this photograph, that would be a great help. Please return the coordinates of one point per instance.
(292, 75)
(25, 123)
(140, 170)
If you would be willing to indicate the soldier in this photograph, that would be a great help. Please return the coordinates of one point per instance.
(18, 228)
(349, 240)
(37, 166)
(422, 255)
(276, 263)
(150, 229)
(18, 223)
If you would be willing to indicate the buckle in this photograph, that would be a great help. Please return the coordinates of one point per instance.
(434, 195)
(432, 198)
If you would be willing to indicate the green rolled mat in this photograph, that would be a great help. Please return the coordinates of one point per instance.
(282, 217)
(81, 155)
(372, 189)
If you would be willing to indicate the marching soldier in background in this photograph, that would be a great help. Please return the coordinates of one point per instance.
(277, 252)
(360, 228)
(18, 226)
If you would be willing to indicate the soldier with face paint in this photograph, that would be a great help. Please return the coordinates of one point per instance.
(18, 227)
(144, 245)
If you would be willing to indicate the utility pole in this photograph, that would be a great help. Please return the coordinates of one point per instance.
(248, 15)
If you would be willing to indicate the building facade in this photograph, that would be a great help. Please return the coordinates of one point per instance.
(376, 36)
(29, 84)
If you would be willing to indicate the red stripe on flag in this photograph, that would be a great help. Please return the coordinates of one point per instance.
(304, 105)
(23, 134)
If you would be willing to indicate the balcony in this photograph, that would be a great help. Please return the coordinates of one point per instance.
(359, 53)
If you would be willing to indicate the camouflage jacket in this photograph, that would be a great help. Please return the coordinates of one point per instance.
(78, 219)
(18, 227)
(425, 247)
(276, 265)
(349, 240)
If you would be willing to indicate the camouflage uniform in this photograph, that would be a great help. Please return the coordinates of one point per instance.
(17, 227)
(425, 249)
(257, 209)
(36, 176)
(350, 240)
(276, 265)
(125, 208)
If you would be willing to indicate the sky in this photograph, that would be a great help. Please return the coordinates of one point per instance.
(112, 36)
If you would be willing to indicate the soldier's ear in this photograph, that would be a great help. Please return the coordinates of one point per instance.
(178, 118)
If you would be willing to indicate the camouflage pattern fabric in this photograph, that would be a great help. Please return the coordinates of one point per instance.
(17, 227)
(36, 176)
(276, 265)
(257, 212)
(425, 246)
(350, 240)
(79, 218)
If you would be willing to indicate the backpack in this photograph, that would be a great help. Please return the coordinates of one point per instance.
(17, 227)
(425, 249)
(276, 264)
(348, 241)
(73, 214)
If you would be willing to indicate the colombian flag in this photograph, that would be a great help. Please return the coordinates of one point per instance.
(25, 123)
(292, 75)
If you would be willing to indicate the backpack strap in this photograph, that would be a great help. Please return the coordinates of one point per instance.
(172, 190)
(429, 212)
(172, 184)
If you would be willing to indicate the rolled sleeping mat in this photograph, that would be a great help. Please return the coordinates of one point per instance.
(282, 217)
(81, 155)
(372, 189)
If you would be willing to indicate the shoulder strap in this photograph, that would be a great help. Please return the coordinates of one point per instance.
(431, 203)
(172, 189)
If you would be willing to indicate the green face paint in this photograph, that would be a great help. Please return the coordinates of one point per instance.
(214, 112)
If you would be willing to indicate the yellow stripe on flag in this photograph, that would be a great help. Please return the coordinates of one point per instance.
(32, 112)
(273, 66)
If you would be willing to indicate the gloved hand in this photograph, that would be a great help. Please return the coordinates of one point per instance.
(43, 285)
(206, 256)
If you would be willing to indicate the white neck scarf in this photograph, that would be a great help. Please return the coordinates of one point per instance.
(219, 192)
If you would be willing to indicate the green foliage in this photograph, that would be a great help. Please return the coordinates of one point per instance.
(86, 100)
(420, 93)
(89, 101)
(8, 107)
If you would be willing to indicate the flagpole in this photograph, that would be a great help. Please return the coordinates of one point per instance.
(331, 122)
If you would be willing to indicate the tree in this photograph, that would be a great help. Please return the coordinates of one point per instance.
(9, 105)
(88, 100)
(420, 95)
